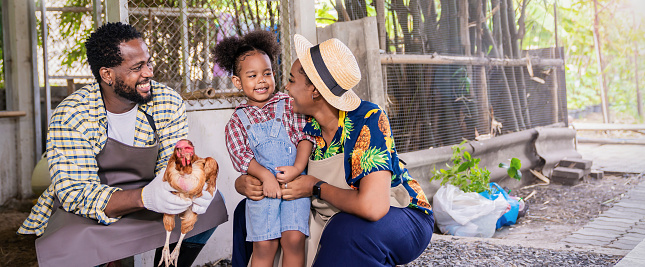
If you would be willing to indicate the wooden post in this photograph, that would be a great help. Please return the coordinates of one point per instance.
(96, 13)
(380, 19)
(117, 10)
(639, 100)
(484, 106)
(304, 20)
(48, 94)
(464, 33)
(601, 67)
(556, 52)
(70, 86)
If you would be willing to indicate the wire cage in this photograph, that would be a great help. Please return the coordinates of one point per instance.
(181, 34)
(468, 78)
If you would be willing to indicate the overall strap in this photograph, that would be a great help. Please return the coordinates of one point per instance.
(277, 123)
(243, 118)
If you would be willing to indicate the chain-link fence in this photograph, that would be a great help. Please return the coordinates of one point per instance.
(181, 34)
(469, 79)
(3, 91)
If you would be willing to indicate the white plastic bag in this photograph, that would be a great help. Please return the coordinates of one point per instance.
(466, 214)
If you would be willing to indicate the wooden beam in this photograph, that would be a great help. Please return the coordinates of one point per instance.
(436, 59)
(580, 126)
(9, 114)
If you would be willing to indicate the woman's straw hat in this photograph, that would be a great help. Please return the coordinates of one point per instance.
(332, 68)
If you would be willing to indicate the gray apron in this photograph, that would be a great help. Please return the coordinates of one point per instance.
(73, 240)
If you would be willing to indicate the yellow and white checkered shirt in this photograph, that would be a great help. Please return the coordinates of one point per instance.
(78, 132)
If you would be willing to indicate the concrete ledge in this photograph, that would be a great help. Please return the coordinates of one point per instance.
(533, 147)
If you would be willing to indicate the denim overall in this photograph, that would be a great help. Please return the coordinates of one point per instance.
(268, 218)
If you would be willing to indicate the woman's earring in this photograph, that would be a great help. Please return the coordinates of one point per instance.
(312, 97)
(110, 84)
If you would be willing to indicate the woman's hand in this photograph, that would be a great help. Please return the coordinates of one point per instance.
(299, 187)
(249, 187)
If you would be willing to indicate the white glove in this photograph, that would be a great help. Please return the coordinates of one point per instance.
(157, 196)
(200, 204)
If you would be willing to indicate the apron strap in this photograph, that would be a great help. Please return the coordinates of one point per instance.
(151, 121)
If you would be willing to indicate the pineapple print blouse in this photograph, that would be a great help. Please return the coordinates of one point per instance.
(365, 138)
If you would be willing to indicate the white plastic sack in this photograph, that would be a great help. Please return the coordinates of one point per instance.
(466, 214)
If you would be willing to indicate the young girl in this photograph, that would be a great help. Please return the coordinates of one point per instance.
(261, 138)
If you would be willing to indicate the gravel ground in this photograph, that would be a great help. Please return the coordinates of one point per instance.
(479, 253)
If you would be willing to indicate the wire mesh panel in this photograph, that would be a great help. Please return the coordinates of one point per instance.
(463, 95)
(181, 34)
(3, 91)
(67, 29)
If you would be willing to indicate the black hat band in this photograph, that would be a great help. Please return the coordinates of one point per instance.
(324, 73)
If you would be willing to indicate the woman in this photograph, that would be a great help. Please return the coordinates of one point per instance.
(381, 216)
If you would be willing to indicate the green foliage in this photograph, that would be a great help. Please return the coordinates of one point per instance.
(622, 32)
(464, 173)
(513, 170)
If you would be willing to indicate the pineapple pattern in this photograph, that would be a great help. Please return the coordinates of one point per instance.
(367, 136)
(384, 126)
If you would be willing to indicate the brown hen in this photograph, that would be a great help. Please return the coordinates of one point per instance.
(187, 173)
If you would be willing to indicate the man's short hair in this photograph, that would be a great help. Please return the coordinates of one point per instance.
(102, 47)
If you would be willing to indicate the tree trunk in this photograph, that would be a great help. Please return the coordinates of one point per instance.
(432, 38)
(601, 66)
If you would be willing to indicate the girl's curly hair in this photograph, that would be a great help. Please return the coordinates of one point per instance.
(228, 52)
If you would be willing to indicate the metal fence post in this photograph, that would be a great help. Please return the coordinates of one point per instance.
(184, 46)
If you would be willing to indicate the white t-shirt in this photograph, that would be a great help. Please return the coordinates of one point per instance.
(121, 126)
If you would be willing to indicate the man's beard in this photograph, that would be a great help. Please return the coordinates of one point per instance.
(131, 93)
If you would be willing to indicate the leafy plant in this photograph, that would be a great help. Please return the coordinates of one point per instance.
(466, 174)
(513, 170)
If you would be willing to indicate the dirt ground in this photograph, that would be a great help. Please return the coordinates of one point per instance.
(555, 211)
(16, 250)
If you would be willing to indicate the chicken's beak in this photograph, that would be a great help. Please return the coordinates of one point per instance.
(185, 160)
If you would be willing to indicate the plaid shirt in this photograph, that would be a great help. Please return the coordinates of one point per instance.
(236, 138)
(78, 132)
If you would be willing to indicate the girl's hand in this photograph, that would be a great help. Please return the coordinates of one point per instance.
(271, 188)
(287, 174)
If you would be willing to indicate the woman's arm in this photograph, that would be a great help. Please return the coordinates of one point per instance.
(371, 201)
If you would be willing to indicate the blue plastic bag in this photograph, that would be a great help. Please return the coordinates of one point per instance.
(510, 217)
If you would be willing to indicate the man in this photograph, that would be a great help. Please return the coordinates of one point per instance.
(106, 142)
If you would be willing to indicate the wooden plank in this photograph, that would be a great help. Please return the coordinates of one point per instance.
(588, 126)
(8, 114)
(437, 59)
